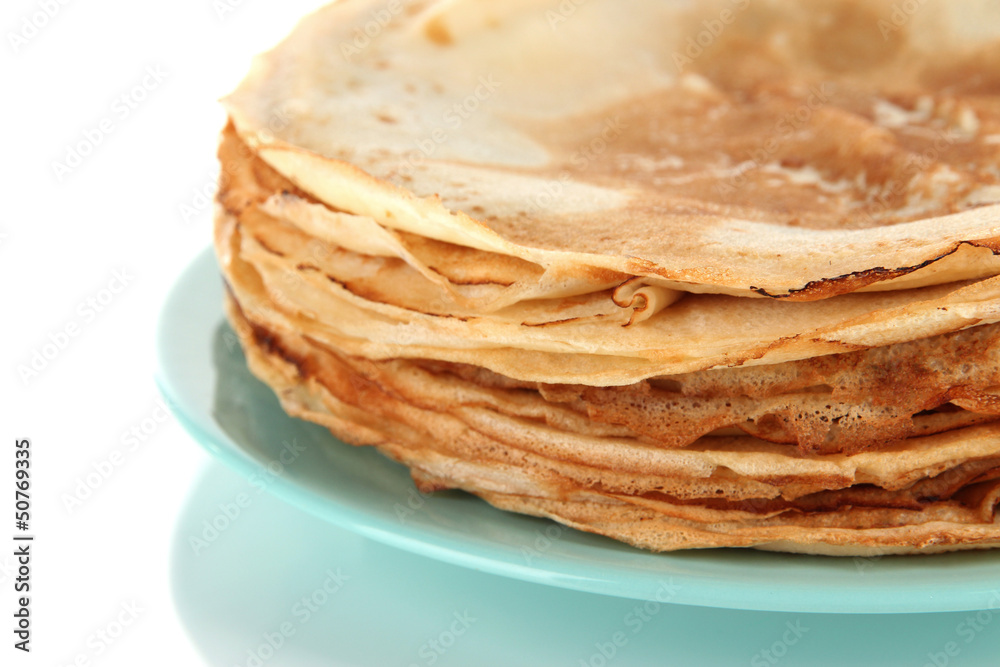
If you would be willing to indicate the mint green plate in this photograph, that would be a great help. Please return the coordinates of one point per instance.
(203, 375)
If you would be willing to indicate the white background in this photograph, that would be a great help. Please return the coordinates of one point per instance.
(130, 216)
(61, 242)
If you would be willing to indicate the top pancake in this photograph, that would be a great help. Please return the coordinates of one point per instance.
(760, 149)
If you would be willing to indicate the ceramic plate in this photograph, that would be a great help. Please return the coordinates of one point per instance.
(203, 375)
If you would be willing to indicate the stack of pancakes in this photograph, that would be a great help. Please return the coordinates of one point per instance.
(685, 278)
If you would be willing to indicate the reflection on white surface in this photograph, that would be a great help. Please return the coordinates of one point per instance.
(258, 582)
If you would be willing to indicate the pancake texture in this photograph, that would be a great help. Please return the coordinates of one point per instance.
(722, 275)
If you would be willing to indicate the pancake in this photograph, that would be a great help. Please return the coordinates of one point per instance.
(686, 276)
(765, 166)
(579, 339)
(925, 493)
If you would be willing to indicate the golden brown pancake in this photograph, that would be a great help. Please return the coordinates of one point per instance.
(685, 277)
(923, 494)
(800, 154)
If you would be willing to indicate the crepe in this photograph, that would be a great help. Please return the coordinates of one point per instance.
(580, 339)
(924, 494)
(741, 172)
(743, 293)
